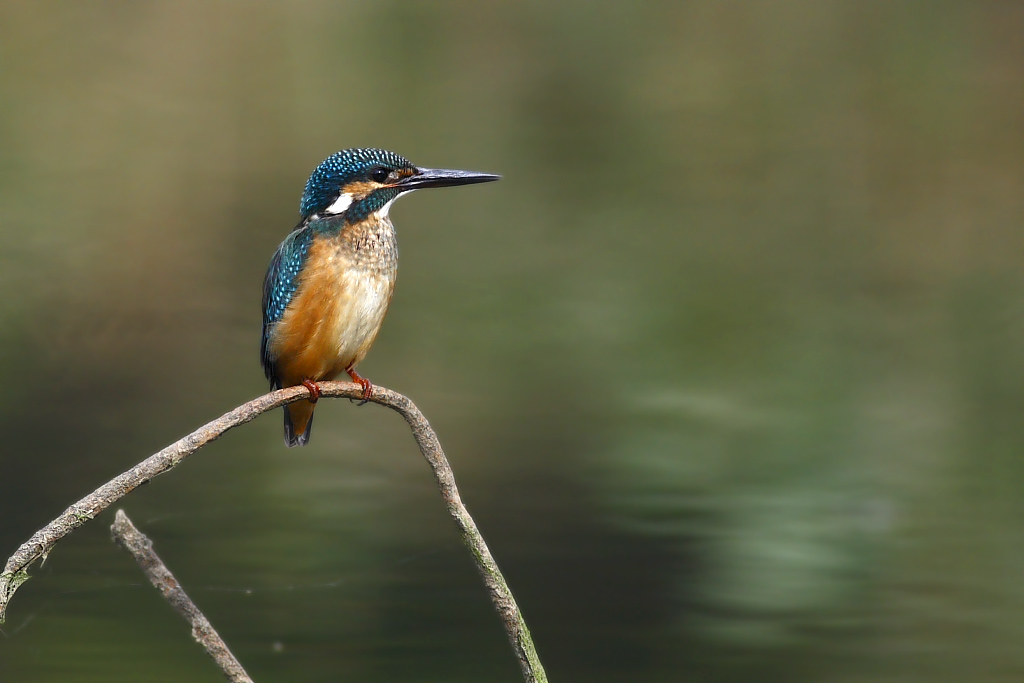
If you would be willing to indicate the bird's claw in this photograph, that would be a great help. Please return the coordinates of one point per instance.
(366, 384)
(314, 390)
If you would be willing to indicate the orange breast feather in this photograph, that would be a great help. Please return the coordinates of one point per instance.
(333, 317)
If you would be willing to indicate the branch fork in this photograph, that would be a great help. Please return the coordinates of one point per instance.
(15, 572)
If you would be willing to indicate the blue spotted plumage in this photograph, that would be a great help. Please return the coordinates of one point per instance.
(325, 183)
(280, 284)
(330, 281)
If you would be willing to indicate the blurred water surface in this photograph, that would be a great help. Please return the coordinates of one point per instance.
(728, 365)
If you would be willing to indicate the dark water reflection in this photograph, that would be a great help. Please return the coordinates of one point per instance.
(728, 365)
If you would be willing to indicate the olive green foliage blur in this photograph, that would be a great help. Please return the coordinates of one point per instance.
(729, 364)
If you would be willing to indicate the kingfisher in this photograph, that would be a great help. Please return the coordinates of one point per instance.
(330, 281)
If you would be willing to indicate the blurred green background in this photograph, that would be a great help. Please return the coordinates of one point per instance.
(729, 365)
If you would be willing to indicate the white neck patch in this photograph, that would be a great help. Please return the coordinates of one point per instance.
(340, 204)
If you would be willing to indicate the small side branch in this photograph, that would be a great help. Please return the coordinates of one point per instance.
(138, 544)
(15, 572)
(38, 547)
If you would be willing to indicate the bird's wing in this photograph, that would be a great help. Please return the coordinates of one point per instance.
(279, 287)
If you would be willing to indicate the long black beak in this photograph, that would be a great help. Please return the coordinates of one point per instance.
(442, 177)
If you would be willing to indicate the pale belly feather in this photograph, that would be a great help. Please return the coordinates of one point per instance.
(362, 300)
(333, 318)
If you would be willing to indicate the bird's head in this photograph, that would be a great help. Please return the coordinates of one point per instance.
(359, 182)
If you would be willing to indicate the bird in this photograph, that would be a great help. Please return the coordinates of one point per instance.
(330, 282)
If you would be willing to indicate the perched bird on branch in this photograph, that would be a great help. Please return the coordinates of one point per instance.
(330, 282)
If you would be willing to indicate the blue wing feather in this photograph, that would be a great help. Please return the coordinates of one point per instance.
(278, 288)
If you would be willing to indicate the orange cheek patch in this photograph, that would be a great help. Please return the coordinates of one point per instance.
(360, 189)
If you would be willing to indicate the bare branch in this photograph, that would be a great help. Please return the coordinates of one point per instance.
(16, 570)
(138, 544)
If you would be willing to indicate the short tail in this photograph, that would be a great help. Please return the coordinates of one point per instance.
(298, 423)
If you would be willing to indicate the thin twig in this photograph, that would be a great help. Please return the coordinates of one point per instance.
(16, 570)
(138, 544)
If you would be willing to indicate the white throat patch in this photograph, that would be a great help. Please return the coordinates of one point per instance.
(383, 211)
(340, 204)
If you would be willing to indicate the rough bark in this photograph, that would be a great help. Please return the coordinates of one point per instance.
(15, 572)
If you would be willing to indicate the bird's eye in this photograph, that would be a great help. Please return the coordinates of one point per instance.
(379, 175)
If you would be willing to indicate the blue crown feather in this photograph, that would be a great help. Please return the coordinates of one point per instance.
(341, 168)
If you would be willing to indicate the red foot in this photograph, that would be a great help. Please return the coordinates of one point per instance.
(314, 390)
(366, 384)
